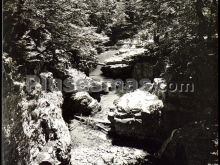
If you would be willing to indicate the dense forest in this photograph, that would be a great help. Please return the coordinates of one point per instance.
(166, 41)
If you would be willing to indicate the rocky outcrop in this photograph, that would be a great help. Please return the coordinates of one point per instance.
(77, 81)
(130, 62)
(189, 145)
(48, 134)
(140, 113)
(34, 129)
(137, 114)
(82, 94)
(80, 103)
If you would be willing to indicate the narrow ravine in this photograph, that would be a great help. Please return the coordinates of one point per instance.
(90, 145)
(110, 82)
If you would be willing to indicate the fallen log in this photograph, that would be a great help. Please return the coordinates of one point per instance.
(94, 122)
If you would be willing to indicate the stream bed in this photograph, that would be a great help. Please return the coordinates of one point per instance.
(91, 146)
(108, 98)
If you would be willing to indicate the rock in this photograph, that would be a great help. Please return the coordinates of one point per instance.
(48, 82)
(189, 145)
(49, 132)
(126, 55)
(160, 88)
(116, 70)
(82, 94)
(81, 103)
(38, 132)
(46, 163)
(87, 102)
(77, 81)
(137, 114)
(130, 63)
(45, 159)
(129, 111)
(120, 64)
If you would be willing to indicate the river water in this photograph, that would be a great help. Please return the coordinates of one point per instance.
(106, 99)
(97, 73)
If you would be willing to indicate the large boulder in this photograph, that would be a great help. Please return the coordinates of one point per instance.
(80, 103)
(137, 114)
(77, 81)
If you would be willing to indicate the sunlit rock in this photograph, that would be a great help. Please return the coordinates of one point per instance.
(130, 63)
(37, 132)
(137, 114)
(80, 103)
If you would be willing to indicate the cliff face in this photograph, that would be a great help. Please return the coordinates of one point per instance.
(33, 127)
(45, 128)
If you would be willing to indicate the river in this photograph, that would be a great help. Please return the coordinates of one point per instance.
(106, 99)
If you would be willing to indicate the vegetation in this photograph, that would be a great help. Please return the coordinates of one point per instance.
(52, 35)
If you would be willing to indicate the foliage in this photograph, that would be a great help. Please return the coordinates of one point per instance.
(66, 21)
(185, 37)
